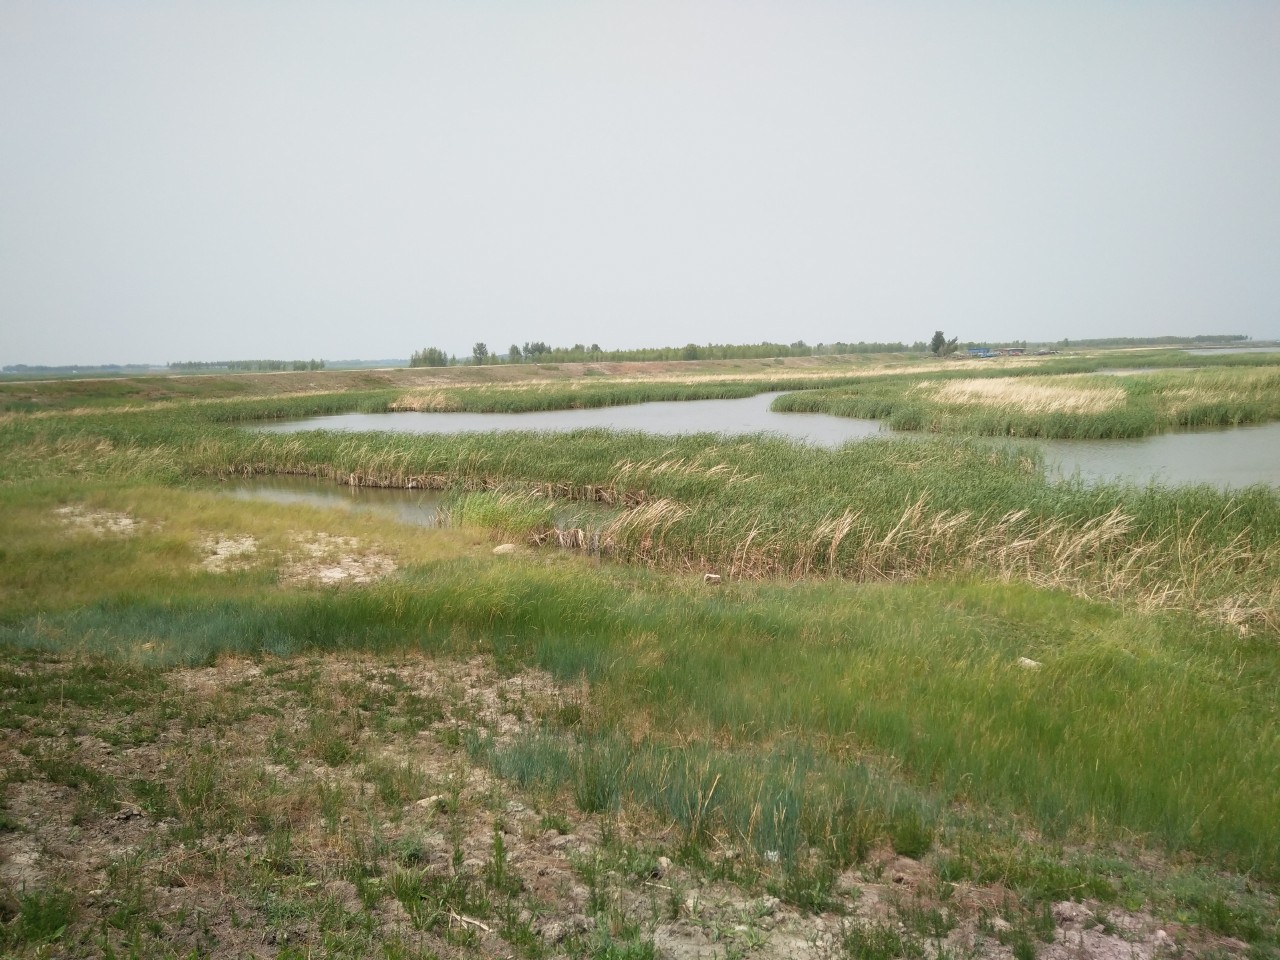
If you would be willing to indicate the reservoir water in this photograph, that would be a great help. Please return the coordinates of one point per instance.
(1228, 458)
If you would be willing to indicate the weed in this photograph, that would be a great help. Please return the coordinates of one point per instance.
(911, 835)
(811, 887)
(396, 783)
(43, 916)
(497, 871)
(1218, 915)
(879, 942)
(926, 921)
(557, 822)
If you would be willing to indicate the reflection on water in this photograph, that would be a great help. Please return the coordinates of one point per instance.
(749, 415)
(1237, 457)
(417, 507)
(1129, 371)
(1210, 351)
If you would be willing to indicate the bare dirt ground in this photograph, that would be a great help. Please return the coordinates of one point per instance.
(98, 522)
(342, 807)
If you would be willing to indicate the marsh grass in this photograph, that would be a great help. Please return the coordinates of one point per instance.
(1030, 403)
(786, 803)
(927, 673)
(747, 507)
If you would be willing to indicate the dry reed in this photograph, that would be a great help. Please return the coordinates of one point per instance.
(1028, 395)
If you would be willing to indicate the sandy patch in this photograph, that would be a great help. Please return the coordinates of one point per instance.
(224, 554)
(99, 522)
(326, 559)
(1028, 396)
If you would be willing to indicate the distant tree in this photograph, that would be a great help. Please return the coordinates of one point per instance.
(690, 352)
(942, 347)
(513, 353)
(479, 354)
(428, 357)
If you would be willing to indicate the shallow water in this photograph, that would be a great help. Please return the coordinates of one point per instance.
(735, 417)
(1230, 458)
(418, 507)
(1234, 457)
(1210, 351)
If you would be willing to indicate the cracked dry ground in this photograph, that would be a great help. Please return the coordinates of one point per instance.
(338, 807)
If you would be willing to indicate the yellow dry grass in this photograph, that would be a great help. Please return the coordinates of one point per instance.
(1221, 388)
(426, 401)
(1028, 395)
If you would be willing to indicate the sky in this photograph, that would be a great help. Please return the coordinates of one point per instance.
(235, 180)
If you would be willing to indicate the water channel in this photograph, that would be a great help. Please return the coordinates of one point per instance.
(1234, 458)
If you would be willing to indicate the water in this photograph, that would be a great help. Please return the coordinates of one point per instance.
(1210, 351)
(734, 417)
(1236, 457)
(416, 507)
(1231, 458)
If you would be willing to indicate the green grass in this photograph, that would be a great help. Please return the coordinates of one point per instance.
(43, 916)
(926, 673)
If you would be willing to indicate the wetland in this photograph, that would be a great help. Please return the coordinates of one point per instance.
(273, 693)
(1224, 457)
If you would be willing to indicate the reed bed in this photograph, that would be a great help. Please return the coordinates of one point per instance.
(1068, 405)
(754, 507)
(1032, 395)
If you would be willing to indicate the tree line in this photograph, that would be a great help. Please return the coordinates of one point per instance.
(539, 352)
(251, 366)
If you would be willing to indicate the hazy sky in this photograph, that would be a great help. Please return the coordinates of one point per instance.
(183, 180)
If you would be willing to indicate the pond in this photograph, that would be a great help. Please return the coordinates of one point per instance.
(1236, 457)
(1230, 458)
(749, 415)
(418, 507)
